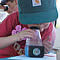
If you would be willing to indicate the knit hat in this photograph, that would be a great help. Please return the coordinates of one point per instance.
(37, 11)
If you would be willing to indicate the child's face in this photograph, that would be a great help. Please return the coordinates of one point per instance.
(42, 26)
(11, 6)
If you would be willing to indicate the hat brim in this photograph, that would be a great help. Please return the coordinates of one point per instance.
(40, 17)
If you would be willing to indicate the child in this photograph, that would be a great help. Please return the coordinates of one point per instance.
(27, 18)
(6, 39)
(12, 5)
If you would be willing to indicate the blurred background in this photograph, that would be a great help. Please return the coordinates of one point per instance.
(57, 41)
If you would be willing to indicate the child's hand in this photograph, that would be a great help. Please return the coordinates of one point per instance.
(48, 45)
(24, 34)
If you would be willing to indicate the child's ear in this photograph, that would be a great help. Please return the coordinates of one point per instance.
(16, 1)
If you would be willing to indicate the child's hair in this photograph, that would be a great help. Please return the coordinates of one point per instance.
(4, 1)
(9, 0)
